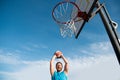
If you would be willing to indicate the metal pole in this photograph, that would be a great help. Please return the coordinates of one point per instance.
(111, 23)
(110, 33)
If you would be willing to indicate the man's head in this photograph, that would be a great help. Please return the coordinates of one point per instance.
(59, 66)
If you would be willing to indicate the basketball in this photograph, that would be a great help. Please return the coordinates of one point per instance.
(58, 54)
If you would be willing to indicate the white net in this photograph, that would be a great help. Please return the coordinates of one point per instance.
(67, 29)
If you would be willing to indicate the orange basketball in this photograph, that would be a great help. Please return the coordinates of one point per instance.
(58, 54)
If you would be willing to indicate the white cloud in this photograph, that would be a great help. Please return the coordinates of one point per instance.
(33, 71)
(9, 59)
(27, 48)
(103, 67)
(97, 67)
(100, 48)
(34, 47)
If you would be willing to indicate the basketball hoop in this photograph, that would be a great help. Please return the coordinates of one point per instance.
(65, 17)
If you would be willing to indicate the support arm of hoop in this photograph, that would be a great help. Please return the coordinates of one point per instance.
(95, 12)
(87, 17)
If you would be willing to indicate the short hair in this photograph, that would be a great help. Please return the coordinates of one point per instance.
(58, 63)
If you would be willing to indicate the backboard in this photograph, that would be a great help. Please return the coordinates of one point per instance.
(71, 15)
(85, 6)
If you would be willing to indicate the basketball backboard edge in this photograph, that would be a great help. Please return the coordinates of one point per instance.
(89, 13)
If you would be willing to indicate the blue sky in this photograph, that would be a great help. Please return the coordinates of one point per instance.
(29, 37)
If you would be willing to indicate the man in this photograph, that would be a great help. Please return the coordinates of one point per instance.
(58, 74)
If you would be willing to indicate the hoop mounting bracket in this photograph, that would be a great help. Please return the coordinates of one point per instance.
(83, 15)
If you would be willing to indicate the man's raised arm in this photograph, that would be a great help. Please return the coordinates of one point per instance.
(66, 64)
(51, 65)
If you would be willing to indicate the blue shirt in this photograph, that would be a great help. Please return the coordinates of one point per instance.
(59, 76)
